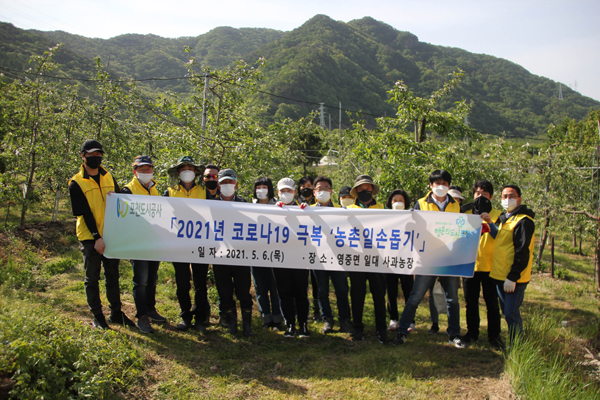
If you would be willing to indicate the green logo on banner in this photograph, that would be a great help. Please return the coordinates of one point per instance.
(122, 208)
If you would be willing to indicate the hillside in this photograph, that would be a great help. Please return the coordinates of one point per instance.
(323, 60)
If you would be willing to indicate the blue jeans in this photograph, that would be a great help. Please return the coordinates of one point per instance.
(267, 297)
(511, 305)
(340, 285)
(145, 275)
(421, 286)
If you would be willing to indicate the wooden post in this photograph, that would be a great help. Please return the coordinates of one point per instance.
(552, 256)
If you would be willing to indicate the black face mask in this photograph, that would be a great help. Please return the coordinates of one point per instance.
(481, 205)
(211, 185)
(365, 196)
(306, 193)
(93, 162)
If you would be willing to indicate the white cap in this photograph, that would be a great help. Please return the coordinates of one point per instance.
(286, 183)
(455, 194)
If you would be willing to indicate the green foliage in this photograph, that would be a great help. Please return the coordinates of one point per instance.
(50, 357)
(563, 274)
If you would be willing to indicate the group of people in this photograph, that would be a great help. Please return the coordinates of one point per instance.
(502, 269)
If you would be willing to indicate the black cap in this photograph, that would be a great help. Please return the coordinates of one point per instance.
(91, 145)
(227, 174)
(143, 160)
(345, 191)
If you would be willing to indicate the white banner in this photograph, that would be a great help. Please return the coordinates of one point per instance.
(337, 239)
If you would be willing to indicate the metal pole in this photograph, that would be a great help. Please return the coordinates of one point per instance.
(206, 78)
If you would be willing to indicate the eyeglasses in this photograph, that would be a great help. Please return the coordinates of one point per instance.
(210, 176)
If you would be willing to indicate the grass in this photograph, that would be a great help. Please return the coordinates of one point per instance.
(41, 275)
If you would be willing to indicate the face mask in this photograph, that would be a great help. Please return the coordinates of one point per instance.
(306, 193)
(187, 176)
(481, 205)
(323, 197)
(210, 185)
(348, 201)
(227, 190)
(93, 162)
(398, 205)
(261, 194)
(365, 196)
(145, 178)
(509, 204)
(286, 198)
(440, 191)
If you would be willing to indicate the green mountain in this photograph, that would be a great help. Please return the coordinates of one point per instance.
(323, 60)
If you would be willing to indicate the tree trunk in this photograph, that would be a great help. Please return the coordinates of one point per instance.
(580, 235)
(423, 135)
(56, 204)
(552, 257)
(544, 238)
(416, 131)
(574, 239)
(28, 189)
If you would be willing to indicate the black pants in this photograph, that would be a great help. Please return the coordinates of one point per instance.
(391, 281)
(471, 288)
(145, 275)
(358, 292)
(292, 286)
(230, 279)
(92, 262)
(183, 275)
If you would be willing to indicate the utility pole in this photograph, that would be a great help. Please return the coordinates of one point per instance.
(206, 79)
(322, 115)
(560, 97)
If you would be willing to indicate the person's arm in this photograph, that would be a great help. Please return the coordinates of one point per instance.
(417, 205)
(117, 190)
(125, 190)
(522, 236)
(80, 207)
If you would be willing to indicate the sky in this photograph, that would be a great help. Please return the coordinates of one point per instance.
(556, 39)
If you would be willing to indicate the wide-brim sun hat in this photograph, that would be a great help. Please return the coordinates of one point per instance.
(186, 160)
(362, 179)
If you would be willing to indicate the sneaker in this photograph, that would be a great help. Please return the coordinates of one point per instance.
(393, 325)
(382, 337)
(400, 340)
(143, 324)
(184, 325)
(469, 338)
(100, 322)
(303, 331)
(411, 327)
(497, 343)
(154, 316)
(199, 327)
(346, 326)
(434, 329)
(120, 319)
(457, 342)
(290, 332)
(359, 336)
(276, 326)
(328, 326)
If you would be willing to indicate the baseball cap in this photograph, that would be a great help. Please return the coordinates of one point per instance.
(226, 174)
(90, 146)
(286, 183)
(142, 160)
(345, 191)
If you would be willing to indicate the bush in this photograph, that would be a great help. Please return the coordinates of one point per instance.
(563, 273)
(59, 267)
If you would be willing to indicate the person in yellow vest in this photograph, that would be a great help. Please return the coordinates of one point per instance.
(438, 200)
(183, 176)
(513, 255)
(88, 190)
(363, 191)
(483, 192)
(145, 273)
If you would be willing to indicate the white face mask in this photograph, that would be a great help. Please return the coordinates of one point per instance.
(323, 197)
(398, 205)
(440, 191)
(286, 197)
(145, 178)
(228, 189)
(509, 204)
(348, 201)
(261, 194)
(187, 176)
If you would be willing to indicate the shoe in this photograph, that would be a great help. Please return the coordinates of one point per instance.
(382, 337)
(143, 324)
(400, 339)
(100, 322)
(199, 327)
(393, 325)
(247, 322)
(434, 329)
(223, 321)
(327, 326)
(120, 319)
(411, 327)
(184, 325)
(317, 315)
(346, 326)
(276, 326)
(359, 336)
(156, 317)
(303, 331)
(232, 322)
(468, 339)
(457, 342)
(290, 332)
(497, 343)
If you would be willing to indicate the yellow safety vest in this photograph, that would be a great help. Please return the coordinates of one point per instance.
(196, 192)
(334, 205)
(486, 246)
(96, 197)
(425, 206)
(137, 188)
(355, 205)
(504, 251)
